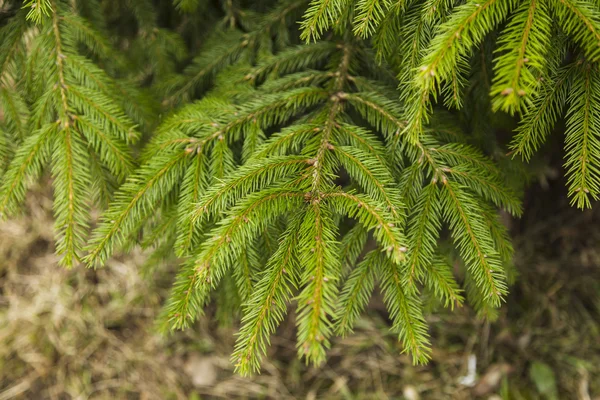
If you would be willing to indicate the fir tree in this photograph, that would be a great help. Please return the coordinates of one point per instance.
(297, 168)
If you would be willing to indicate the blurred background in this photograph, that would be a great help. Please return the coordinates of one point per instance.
(89, 334)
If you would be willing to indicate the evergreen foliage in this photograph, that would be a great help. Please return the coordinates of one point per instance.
(74, 122)
(297, 169)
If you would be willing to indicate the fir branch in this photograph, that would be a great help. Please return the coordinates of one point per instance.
(320, 16)
(274, 109)
(79, 30)
(132, 202)
(436, 9)
(416, 34)
(368, 16)
(385, 38)
(221, 160)
(452, 90)
(250, 178)
(440, 280)
(410, 182)
(298, 79)
(103, 112)
(320, 176)
(318, 256)
(293, 59)
(355, 136)
(289, 140)
(244, 274)
(219, 252)
(540, 118)
(225, 51)
(351, 247)
(373, 177)
(27, 164)
(64, 114)
(193, 184)
(458, 153)
(15, 110)
(465, 28)
(114, 154)
(356, 292)
(11, 35)
(268, 303)
(405, 312)
(474, 242)
(423, 231)
(518, 69)
(382, 113)
(489, 187)
(72, 181)
(501, 236)
(581, 21)
(582, 141)
(38, 9)
(373, 217)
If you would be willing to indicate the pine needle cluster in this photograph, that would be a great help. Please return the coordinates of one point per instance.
(297, 170)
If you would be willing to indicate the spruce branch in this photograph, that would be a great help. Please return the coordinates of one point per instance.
(39, 9)
(352, 246)
(466, 27)
(249, 178)
(440, 280)
(435, 10)
(225, 49)
(381, 112)
(134, 200)
(582, 138)
(423, 232)
(220, 251)
(72, 181)
(27, 164)
(356, 292)
(321, 268)
(405, 311)
(541, 117)
(373, 178)
(309, 173)
(267, 305)
(195, 181)
(517, 70)
(474, 242)
(364, 140)
(581, 21)
(77, 129)
(372, 216)
(368, 16)
(16, 112)
(320, 16)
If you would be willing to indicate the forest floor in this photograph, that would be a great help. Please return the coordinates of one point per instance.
(88, 334)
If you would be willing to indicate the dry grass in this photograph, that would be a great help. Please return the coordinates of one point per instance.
(88, 334)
